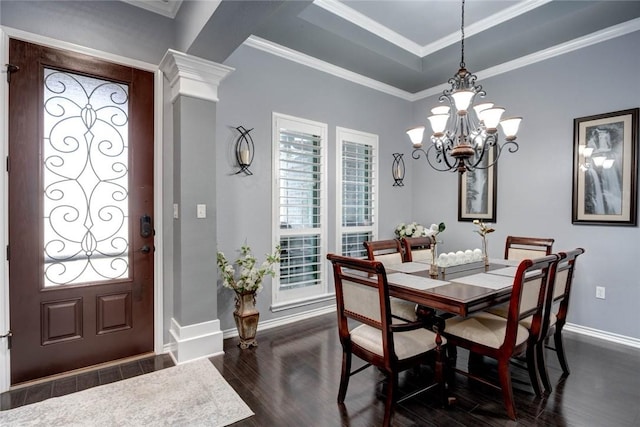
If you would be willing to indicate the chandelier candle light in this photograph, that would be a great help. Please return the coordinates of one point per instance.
(462, 137)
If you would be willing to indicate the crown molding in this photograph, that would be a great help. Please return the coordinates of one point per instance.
(374, 27)
(368, 24)
(325, 67)
(317, 64)
(192, 76)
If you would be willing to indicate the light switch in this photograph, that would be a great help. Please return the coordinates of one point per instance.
(176, 212)
(201, 211)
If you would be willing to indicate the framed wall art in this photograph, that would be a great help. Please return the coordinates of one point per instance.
(605, 168)
(477, 191)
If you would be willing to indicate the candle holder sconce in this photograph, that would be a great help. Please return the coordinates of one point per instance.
(244, 150)
(397, 170)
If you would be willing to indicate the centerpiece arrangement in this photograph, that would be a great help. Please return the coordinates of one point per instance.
(245, 278)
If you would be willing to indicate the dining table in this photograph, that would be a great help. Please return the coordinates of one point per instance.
(457, 290)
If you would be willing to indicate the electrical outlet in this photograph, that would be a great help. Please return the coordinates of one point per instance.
(600, 292)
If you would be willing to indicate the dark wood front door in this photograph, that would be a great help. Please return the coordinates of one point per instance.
(80, 205)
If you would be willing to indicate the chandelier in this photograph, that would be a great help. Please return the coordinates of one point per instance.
(465, 139)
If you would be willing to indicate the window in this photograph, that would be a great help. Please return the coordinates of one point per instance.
(357, 157)
(300, 209)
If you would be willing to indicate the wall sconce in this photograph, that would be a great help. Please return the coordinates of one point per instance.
(244, 150)
(397, 170)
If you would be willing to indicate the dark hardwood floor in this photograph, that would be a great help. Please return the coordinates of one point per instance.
(291, 379)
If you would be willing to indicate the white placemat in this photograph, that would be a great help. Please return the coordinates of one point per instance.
(414, 282)
(507, 271)
(491, 281)
(409, 267)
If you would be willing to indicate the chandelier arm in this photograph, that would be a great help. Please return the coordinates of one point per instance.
(440, 159)
(513, 146)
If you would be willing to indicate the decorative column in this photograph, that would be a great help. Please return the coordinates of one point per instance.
(189, 176)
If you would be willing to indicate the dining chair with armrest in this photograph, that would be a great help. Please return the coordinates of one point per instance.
(367, 331)
(557, 306)
(389, 253)
(417, 248)
(486, 334)
(518, 248)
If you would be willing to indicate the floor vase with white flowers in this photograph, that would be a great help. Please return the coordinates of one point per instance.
(245, 278)
(246, 316)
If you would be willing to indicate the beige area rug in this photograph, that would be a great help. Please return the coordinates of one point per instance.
(193, 394)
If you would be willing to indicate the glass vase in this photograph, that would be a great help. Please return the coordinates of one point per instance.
(485, 251)
(433, 268)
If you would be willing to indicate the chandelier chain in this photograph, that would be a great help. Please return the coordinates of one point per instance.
(462, 38)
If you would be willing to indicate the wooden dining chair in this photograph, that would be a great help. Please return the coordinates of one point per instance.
(389, 253)
(417, 248)
(557, 306)
(367, 331)
(518, 248)
(486, 334)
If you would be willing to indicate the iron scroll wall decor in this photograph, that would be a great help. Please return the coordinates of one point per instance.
(397, 170)
(244, 150)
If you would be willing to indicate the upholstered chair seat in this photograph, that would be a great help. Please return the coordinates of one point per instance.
(484, 328)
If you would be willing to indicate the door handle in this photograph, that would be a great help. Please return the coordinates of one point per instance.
(145, 249)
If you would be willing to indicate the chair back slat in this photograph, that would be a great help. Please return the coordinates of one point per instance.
(532, 290)
(389, 259)
(518, 254)
(362, 302)
(562, 280)
(518, 248)
(416, 248)
(560, 283)
(528, 296)
(388, 252)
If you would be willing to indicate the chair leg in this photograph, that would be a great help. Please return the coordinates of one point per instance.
(344, 376)
(562, 358)
(532, 368)
(542, 367)
(507, 390)
(392, 383)
(450, 365)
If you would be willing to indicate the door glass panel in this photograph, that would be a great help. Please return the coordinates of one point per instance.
(85, 176)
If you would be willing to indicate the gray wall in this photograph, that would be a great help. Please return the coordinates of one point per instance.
(535, 184)
(260, 85)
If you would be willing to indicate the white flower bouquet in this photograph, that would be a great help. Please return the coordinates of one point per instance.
(247, 277)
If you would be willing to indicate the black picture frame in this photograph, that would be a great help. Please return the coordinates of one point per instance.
(605, 169)
(477, 192)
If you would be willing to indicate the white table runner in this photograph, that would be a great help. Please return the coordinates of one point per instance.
(414, 282)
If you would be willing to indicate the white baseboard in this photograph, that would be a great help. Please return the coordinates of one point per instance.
(284, 320)
(280, 321)
(192, 342)
(602, 335)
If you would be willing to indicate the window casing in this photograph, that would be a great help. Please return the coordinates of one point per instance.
(300, 208)
(356, 190)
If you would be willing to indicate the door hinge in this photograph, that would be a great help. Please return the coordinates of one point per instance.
(8, 164)
(11, 69)
(8, 336)
(8, 253)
